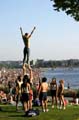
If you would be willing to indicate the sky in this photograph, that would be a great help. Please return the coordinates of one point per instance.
(56, 36)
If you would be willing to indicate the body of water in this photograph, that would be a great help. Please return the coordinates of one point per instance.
(69, 75)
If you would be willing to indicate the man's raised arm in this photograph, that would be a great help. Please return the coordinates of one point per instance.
(32, 31)
(21, 31)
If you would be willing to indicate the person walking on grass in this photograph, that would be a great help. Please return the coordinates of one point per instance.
(26, 38)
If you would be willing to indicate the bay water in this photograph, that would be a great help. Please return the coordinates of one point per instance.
(69, 75)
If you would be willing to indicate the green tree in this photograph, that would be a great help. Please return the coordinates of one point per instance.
(70, 7)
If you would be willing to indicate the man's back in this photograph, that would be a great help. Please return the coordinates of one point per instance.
(44, 87)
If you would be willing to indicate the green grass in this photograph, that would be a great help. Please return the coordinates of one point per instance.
(71, 113)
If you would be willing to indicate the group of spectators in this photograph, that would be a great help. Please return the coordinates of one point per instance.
(23, 83)
(56, 93)
(8, 78)
(7, 83)
(28, 95)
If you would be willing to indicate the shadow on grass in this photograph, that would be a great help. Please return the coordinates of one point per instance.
(12, 116)
(8, 110)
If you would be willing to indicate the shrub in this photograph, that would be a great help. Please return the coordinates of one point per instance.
(70, 93)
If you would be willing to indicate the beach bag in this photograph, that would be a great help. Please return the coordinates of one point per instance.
(32, 112)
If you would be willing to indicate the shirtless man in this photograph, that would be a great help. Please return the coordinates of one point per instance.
(25, 38)
(43, 91)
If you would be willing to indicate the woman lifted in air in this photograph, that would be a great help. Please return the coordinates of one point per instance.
(25, 38)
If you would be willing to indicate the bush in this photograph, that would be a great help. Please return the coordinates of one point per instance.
(70, 93)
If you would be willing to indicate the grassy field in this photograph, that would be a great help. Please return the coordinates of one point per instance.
(71, 113)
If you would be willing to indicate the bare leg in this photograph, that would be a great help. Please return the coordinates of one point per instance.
(28, 52)
(24, 52)
(43, 106)
(30, 104)
(46, 106)
(53, 102)
(63, 101)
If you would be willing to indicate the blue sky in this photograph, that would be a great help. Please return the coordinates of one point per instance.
(56, 36)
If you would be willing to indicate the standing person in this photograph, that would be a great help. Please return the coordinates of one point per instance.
(61, 94)
(18, 90)
(30, 76)
(30, 97)
(54, 90)
(43, 91)
(25, 89)
(26, 51)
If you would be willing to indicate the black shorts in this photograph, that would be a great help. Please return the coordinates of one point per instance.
(44, 95)
(25, 97)
(53, 93)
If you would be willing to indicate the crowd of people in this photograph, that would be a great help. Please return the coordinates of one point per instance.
(8, 78)
(56, 93)
(24, 87)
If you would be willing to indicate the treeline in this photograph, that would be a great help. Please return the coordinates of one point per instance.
(42, 63)
(58, 63)
(10, 64)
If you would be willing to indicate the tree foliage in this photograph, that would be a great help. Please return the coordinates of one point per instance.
(70, 7)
